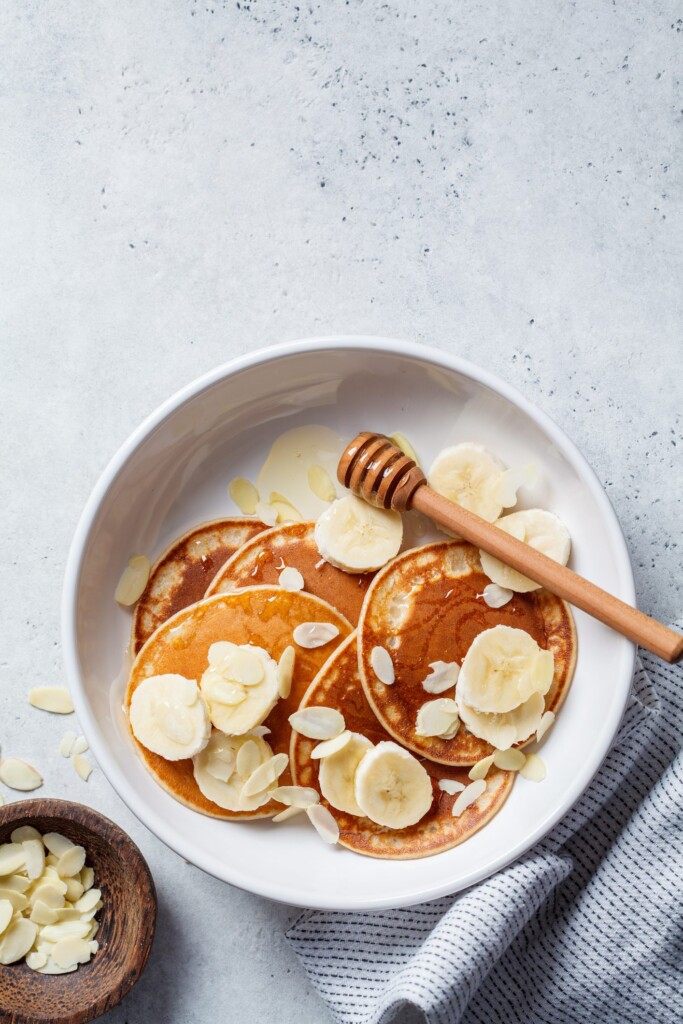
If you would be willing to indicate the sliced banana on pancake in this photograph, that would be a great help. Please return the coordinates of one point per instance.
(503, 667)
(224, 766)
(337, 774)
(541, 530)
(241, 686)
(358, 537)
(502, 730)
(169, 716)
(392, 787)
(471, 476)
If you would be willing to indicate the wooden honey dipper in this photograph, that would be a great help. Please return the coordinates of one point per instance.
(376, 470)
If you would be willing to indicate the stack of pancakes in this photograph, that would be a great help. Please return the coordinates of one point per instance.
(220, 582)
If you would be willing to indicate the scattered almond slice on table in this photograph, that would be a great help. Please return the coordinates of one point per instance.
(56, 699)
(19, 775)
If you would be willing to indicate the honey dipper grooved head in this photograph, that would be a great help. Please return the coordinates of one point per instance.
(376, 470)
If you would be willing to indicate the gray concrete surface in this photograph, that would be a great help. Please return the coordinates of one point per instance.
(182, 182)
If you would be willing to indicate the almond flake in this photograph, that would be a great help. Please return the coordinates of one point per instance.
(442, 676)
(546, 721)
(56, 699)
(481, 768)
(289, 812)
(244, 494)
(509, 760)
(57, 843)
(12, 858)
(34, 853)
(71, 951)
(451, 786)
(296, 796)
(317, 723)
(468, 796)
(382, 665)
(333, 746)
(6, 914)
(82, 766)
(87, 878)
(64, 930)
(533, 768)
(87, 901)
(324, 823)
(314, 634)
(285, 671)
(42, 914)
(71, 862)
(19, 775)
(285, 511)
(291, 579)
(36, 960)
(320, 483)
(133, 581)
(266, 513)
(66, 746)
(495, 596)
(260, 730)
(17, 940)
(265, 775)
(402, 442)
(437, 718)
(248, 759)
(80, 745)
(17, 899)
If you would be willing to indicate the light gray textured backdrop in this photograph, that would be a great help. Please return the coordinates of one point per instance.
(181, 182)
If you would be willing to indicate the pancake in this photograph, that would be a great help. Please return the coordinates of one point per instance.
(182, 574)
(424, 607)
(264, 616)
(338, 685)
(294, 544)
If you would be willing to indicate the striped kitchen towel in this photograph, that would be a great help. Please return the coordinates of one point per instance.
(588, 926)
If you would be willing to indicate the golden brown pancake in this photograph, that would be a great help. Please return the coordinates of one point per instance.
(264, 616)
(338, 685)
(294, 544)
(182, 574)
(426, 606)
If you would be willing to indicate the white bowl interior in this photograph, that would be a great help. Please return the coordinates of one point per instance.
(174, 473)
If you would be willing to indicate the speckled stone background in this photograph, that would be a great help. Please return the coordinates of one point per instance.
(182, 182)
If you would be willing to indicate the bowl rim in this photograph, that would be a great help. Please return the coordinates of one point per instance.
(273, 353)
(91, 819)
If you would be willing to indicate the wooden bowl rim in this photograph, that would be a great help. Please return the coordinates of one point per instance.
(89, 818)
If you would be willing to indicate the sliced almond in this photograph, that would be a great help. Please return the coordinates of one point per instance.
(64, 930)
(402, 442)
(36, 960)
(244, 494)
(468, 796)
(74, 889)
(87, 878)
(451, 786)
(291, 579)
(57, 844)
(296, 796)
(83, 766)
(266, 513)
(34, 854)
(289, 812)
(80, 745)
(66, 745)
(133, 581)
(443, 675)
(24, 833)
(533, 769)
(71, 862)
(333, 746)
(51, 967)
(284, 510)
(17, 940)
(437, 718)
(6, 914)
(19, 775)
(317, 723)
(49, 893)
(88, 901)
(509, 760)
(248, 759)
(18, 883)
(70, 951)
(382, 665)
(265, 774)
(547, 720)
(56, 699)
(12, 858)
(66, 914)
(481, 768)
(314, 634)
(324, 823)
(42, 914)
(17, 899)
(285, 672)
(320, 482)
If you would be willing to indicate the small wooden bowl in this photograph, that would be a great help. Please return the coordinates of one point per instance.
(127, 920)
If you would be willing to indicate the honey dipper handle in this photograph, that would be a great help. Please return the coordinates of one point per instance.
(637, 626)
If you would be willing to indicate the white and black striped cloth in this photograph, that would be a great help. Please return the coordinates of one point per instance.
(588, 926)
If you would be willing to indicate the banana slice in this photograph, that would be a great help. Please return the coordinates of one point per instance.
(356, 537)
(169, 717)
(502, 730)
(541, 530)
(241, 686)
(503, 668)
(220, 771)
(392, 788)
(472, 476)
(338, 773)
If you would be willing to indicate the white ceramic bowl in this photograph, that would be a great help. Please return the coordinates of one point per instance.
(173, 473)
